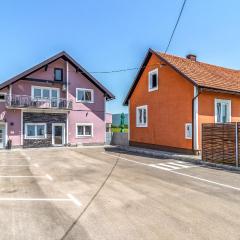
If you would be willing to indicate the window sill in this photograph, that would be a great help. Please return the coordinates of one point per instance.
(141, 126)
(35, 138)
(85, 136)
(77, 101)
(152, 89)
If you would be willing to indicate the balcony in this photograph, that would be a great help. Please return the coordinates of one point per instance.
(24, 101)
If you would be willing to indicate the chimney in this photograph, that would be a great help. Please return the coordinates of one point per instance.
(192, 57)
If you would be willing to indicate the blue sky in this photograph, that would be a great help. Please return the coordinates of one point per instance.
(107, 35)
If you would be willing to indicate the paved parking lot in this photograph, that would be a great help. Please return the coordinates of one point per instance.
(59, 194)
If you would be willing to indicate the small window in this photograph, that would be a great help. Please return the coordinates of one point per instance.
(222, 111)
(84, 130)
(58, 74)
(188, 131)
(2, 97)
(35, 131)
(84, 95)
(153, 80)
(141, 116)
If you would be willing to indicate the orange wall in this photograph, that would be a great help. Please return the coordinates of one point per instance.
(206, 108)
(169, 108)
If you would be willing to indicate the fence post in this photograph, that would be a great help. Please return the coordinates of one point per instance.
(236, 143)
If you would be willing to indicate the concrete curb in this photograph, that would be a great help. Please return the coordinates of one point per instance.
(186, 158)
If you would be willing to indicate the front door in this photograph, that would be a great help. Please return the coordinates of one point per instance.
(2, 137)
(58, 131)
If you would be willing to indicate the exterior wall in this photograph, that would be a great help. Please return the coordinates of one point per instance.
(13, 120)
(81, 113)
(49, 74)
(49, 119)
(169, 108)
(85, 112)
(23, 87)
(206, 108)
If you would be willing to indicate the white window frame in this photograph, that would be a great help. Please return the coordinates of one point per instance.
(186, 131)
(35, 137)
(5, 94)
(150, 73)
(85, 89)
(84, 124)
(223, 101)
(138, 124)
(42, 88)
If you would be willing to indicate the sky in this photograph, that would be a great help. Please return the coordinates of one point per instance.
(106, 35)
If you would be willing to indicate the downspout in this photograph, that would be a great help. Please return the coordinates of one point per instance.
(199, 91)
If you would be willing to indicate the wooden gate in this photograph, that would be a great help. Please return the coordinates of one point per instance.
(220, 143)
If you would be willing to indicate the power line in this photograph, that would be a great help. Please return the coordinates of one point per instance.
(175, 27)
(112, 71)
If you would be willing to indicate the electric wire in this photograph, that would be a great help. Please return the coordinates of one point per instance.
(175, 27)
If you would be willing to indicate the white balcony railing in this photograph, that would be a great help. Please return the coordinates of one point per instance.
(24, 101)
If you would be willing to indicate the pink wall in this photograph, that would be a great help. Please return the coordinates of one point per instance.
(86, 112)
(49, 74)
(13, 119)
(23, 87)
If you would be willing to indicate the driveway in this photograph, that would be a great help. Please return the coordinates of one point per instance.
(81, 193)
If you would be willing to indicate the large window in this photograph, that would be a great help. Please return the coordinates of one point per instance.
(84, 129)
(222, 111)
(141, 116)
(35, 130)
(84, 95)
(47, 95)
(58, 74)
(153, 80)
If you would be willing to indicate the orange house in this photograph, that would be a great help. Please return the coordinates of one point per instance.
(171, 97)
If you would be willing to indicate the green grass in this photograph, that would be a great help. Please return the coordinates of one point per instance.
(118, 130)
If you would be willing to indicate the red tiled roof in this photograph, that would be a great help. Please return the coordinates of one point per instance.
(205, 75)
(199, 73)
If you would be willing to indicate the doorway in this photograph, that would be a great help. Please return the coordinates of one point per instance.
(58, 134)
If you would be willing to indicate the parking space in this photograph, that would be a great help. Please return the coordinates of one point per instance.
(51, 194)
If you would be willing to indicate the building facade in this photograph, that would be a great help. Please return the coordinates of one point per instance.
(54, 103)
(172, 97)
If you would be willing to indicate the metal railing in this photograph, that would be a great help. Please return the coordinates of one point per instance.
(24, 101)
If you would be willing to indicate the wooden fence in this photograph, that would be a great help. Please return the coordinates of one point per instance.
(220, 143)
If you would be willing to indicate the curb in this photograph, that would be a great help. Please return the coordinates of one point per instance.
(186, 158)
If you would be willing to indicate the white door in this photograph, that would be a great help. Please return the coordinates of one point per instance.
(2, 137)
(58, 134)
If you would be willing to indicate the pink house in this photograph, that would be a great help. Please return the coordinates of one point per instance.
(54, 103)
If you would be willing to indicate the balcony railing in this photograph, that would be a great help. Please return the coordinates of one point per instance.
(23, 101)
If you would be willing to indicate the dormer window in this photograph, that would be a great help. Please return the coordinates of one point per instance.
(153, 80)
(58, 74)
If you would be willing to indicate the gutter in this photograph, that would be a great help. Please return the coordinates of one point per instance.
(193, 123)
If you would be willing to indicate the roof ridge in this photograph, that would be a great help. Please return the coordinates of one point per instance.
(200, 62)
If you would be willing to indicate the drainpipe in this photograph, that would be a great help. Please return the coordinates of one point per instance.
(197, 92)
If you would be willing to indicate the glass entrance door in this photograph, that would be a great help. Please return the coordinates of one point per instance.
(58, 134)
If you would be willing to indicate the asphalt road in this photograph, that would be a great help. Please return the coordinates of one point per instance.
(59, 194)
